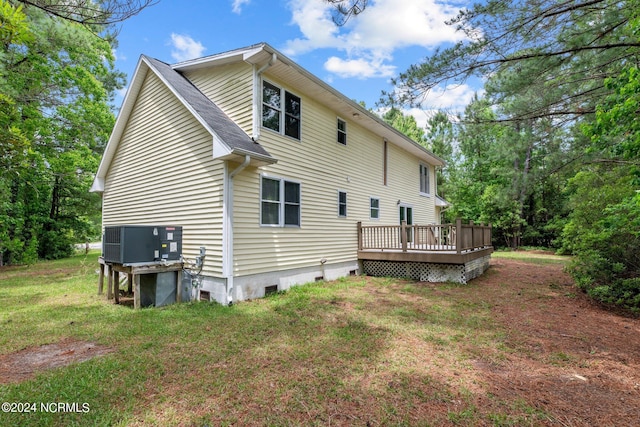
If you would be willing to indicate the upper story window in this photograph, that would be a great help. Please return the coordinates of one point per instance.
(424, 179)
(280, 202)
(342, 132)
(283, 117)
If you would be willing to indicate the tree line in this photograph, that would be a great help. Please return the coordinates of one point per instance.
(550, 153)
(57, 84)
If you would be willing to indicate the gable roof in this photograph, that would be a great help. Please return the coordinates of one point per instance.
(232, 141)
(229, 132)
(305, 82)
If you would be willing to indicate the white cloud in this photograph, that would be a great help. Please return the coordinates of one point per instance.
(453, 98)
(370, 39)
(360, 68)
(390, 24)
(237, 5)
(117, 56)
(185, 48)
(314, 21)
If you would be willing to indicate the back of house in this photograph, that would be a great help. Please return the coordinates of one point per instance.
(264, 165)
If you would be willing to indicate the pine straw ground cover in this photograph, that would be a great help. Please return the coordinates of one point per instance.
(518, 346)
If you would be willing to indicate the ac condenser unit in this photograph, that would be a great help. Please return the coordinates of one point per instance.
(130, 244)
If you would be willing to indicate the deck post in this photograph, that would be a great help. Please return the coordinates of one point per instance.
(403, 235)
(101, 278)
(359, 235)
(179, 286)
(458, 235)
(473, 237)
(116, 286)
(136, 291)
(109, 282)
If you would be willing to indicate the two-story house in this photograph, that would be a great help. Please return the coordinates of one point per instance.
(263, 164)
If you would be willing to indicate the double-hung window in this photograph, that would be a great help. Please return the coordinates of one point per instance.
(374, 208)
(424, 179)
(280, 202)
(342, 132)
(342, 204)
(280, 110)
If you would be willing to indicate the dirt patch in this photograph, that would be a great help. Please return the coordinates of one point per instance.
(24, 364)
(572, 359)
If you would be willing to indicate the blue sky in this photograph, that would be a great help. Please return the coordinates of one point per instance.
(357, 59)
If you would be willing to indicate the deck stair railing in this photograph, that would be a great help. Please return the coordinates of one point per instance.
(456, 237)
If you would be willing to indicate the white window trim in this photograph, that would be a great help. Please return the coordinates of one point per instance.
(371, 198)
(338, 130)
(283, 92)
(422, 193)
(281, 202)
(346, 205)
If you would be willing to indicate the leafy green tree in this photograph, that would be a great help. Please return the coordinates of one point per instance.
(562, 50)
(56, 82)
(604, 234)
(406, 124)
(604, 228)
(90, 13)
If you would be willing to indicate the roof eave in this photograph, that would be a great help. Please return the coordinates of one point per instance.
(261, 52)
(118, 128)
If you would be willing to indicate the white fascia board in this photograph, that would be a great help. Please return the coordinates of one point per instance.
(441, 202)
(243, 54)
(97, 186)
(220, 149)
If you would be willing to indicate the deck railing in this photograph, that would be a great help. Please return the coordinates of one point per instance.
(457, 237)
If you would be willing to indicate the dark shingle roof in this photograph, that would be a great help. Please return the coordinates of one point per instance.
(228, 131)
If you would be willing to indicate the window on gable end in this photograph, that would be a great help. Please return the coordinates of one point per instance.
(342, 132)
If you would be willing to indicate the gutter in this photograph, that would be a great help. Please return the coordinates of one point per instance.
(256, 95)
(228, 226)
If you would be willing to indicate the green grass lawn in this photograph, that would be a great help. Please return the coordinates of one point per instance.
(534, 257)
(357, 351)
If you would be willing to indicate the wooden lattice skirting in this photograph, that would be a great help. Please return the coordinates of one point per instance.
(428, 272)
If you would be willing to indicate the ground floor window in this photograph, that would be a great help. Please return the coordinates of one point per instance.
(280, 202)
(342, 204)
(374, 208)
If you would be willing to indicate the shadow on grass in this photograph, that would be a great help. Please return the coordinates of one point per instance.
(319, 354)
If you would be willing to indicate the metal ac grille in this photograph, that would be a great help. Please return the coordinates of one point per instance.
(112, 244)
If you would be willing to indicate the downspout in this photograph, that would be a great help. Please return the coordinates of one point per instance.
(228, 215)
(257, 98)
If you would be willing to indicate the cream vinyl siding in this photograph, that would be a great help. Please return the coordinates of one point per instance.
(322, 166)
(163, 174)
(231, 88)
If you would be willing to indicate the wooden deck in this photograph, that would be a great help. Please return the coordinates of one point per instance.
(456, 243)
